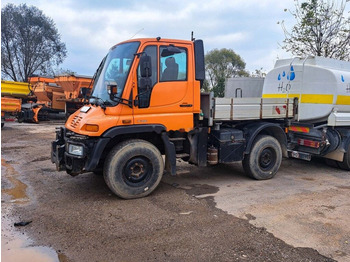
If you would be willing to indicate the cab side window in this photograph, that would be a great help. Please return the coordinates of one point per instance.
(174, 66)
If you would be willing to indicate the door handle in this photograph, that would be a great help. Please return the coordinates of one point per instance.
(186, 105)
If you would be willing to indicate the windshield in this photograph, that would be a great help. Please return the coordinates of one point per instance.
(114, 70)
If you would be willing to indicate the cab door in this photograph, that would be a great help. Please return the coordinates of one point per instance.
(168, 97)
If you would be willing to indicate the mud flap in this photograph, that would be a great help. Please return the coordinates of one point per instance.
(170, 155)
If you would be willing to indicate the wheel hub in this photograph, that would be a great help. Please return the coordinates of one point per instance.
(267, 158)
(137, 170)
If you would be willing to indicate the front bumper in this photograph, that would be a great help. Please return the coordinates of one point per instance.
(76, 164)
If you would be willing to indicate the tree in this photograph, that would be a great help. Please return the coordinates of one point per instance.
(258, 73)
(320, 30)
(63, 71)
(30, 42)
(222, 64)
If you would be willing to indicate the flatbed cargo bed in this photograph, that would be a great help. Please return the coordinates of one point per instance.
(252, 108)
(240, 109)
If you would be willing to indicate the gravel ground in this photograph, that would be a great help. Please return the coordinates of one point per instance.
(81, 220)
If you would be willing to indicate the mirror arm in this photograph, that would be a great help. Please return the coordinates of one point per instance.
(139, 54)
(123, 101)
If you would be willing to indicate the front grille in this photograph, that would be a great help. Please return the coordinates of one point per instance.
(76, 137)
(75, 122)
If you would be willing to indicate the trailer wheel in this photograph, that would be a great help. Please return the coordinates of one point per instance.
(346, 161)
(133, 169)
(264, 159)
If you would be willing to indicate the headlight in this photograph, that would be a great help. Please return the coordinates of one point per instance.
(75, 150)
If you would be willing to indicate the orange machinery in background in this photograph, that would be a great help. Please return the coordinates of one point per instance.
(9, 107)
(12, 95)
(48, 92)
(57, 97)
(72, 87)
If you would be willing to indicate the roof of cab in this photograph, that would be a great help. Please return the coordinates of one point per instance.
(158, 39)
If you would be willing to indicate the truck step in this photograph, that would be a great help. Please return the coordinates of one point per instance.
(177, 138)
(182, 155)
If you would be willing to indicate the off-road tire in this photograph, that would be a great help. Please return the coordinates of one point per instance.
(264, 159)
(133, 169)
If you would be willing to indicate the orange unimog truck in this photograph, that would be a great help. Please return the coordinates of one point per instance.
(146, 102)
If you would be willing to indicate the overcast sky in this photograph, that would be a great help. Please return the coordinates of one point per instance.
(89, 28)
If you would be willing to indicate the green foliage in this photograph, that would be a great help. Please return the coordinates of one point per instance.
(222, 64)
(321, 29)
(30, 43)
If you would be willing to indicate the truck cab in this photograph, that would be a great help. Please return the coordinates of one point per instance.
(124, 95)
(144, 90)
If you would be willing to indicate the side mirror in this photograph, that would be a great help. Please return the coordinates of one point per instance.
(112, 90)
(143, 98)
(199, 60)
(145, 66)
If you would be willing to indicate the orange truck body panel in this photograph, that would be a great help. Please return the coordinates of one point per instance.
(10, 105)
(172, 104)
(35, 79)
(57, 102)
(51, 96)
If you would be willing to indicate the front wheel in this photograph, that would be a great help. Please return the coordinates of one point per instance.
(264, 159)
(133, 169)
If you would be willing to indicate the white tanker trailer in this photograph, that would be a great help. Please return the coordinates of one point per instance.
(322, 86)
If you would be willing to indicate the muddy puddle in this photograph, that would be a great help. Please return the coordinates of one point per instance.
(16, 246)
(17, 189)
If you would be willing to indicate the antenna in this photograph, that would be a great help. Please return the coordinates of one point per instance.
(137, 33)
(192, 38)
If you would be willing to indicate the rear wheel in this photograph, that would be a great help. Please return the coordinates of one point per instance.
(133, 169)
(264, 159)
(346, 161)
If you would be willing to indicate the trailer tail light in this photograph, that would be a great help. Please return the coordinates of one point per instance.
(301, 129)
(308, 143)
